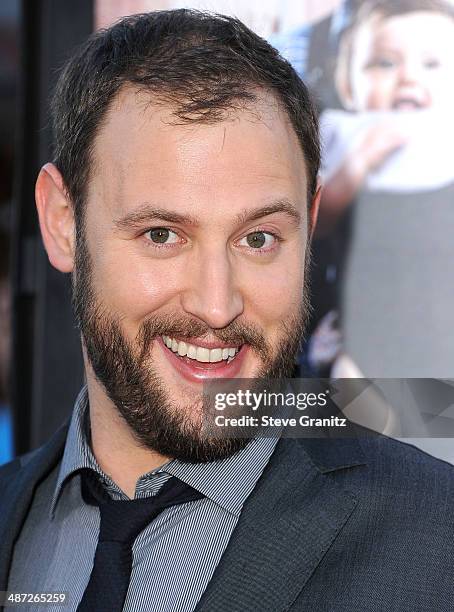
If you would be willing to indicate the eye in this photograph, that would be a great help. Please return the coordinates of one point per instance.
(432, 64)
(259, 240)
(162, 235)
(381, 62)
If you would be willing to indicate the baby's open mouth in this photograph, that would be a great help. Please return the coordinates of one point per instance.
(406, 103)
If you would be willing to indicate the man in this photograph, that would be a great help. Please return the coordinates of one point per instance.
(182, 198)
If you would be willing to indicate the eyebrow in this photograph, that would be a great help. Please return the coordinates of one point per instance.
(279, 206)
(147, 212)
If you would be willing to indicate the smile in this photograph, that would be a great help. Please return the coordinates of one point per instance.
(200, 353)
(407, 104)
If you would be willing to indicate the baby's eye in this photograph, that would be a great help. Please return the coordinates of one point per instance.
(162, 235)
(381, 62)
(258, 240)
(432, 63)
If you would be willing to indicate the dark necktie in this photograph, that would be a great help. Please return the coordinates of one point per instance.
(121, 523)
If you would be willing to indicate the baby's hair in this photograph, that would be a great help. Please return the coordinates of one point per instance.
(380, 9)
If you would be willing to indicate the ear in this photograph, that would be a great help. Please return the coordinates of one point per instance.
(313, 210)
(56, 218)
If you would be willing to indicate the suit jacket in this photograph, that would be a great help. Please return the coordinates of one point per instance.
(332, 525)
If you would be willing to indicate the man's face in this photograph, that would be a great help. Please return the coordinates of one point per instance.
(191, 265)
(403, 63)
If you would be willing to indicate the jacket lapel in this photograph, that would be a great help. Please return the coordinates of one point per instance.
(286, 527)
(18, 481)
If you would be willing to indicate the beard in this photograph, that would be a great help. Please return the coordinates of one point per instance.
(139, 394)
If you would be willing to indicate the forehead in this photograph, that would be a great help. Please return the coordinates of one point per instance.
(428, 29)
(143, 152)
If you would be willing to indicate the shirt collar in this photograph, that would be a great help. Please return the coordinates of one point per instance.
(230, 481)
(227, 482)
(77, 454)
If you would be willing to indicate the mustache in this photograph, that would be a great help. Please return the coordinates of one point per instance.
(236, 333)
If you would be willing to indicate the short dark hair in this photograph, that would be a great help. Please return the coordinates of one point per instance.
(202, 63)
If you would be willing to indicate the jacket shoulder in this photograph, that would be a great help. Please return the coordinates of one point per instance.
(16, 464)
(33, 465)
(407, 476)
(383, 451)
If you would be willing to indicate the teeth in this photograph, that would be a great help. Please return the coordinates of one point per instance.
(215, 355)
(203, 354)
(200, 353)
(182, 349)
(168, 341)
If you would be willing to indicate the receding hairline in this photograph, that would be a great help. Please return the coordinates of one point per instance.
(264, 100)
(162, 51)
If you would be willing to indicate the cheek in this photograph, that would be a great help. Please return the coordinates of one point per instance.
(440, 87)
(135, 286)
(273, 293)
(375, 91)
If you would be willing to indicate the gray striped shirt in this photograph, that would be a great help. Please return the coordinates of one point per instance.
(173, 558)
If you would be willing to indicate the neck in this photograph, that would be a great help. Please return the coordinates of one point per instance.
(114, 446)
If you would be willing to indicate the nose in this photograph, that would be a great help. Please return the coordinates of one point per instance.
(410, 71)
(212, 294)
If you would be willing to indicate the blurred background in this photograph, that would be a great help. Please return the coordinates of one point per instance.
(382, 73)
